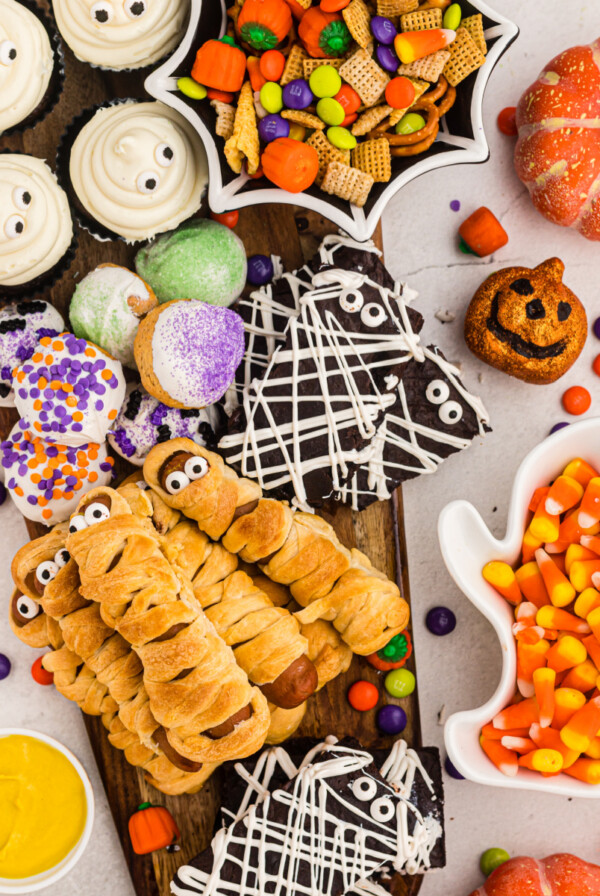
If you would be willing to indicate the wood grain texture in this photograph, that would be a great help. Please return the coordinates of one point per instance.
(294, 234)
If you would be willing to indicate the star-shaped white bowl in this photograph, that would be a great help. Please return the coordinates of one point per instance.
(461, 138)
(467, 545)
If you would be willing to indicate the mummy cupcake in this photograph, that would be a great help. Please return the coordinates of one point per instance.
(136, 169)
(46, 481)
(36, 230)
(144, 421)
(22, 325)
(30, 73)
(106, 308)
(117, 34)
(70, 390)
(187, 352)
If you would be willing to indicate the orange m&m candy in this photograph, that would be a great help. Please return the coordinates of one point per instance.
(576, 400)
(348, 99)
(363, 695)
(228, 219)
(506, 121)
(39, 674)
(400, 93)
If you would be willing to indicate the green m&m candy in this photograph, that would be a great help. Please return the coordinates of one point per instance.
(325, 81)
(271, 97)
(341, 137)
(330, 111)
(492, 859)
(191, 88)
(452, 17)
(400, 683)
(410, 123)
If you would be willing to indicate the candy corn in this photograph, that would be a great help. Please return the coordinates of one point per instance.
(582, 572)
(566, 703)
(570, 531)
(544, 681)
(582, 677)
(588, 600)
(589, 509)
(544, 525)
(530, 581)
(593, 620)
(559, 588)
(580, 470)
(587, 770)
(526, 612)
(528, 634)
(564, 493)
(592, 645)
(490, 733)
(549, 739)
(505, 760)
(591, 543)
(582, 727)
(529, 658)
(566, 653)
(501, 576)
(519, 715)
(593, 748)
(518, 744)
(538, 497)
(549, 762)
(553, 617)
(577, 552)
(412, 45)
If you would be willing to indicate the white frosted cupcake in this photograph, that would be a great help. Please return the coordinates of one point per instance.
(36, 230)
(30, 65)
(134, 169)
(121, 34)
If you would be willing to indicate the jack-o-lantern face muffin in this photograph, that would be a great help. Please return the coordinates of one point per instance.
(527, 323)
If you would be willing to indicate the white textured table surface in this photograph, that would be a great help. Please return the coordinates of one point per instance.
(459, 671)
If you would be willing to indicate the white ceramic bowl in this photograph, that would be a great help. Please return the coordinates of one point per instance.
(467, 545)
(52, 875)
(461, 138)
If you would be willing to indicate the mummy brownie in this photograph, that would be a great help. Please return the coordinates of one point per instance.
(136, 169)
(45, 480)
(121, 34)
(35, 223)
(187, 352)
(106, 308)
(144, 421)
(22, 325)
(70, 390)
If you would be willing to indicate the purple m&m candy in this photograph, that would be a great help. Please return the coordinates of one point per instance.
(391, 719)
(452, 770)
(386, 58)
(4, 666)
(2, 493)
(440, 621)
(297, 94)
(271, 127)
(383, 30)
(558, 426)
(260, 270)
(596, 328)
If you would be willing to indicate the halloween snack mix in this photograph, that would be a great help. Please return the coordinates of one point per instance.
(527, 323)
(333, 97)
(552, 724)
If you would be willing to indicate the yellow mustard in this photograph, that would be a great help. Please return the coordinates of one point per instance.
(43, 806)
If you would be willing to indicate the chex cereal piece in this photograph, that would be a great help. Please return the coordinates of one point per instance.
(370, 119)
(474, 25)
(357, 18)
(347, 183)
(293, 65)
(244, 142)
(429, 67)
(309, 65)
(299, 116)
(421, 20)
(327, 153)
(225, 118)
(398, 114)
(465, 57)
(395, 7)
(374, 157)
(364, 75)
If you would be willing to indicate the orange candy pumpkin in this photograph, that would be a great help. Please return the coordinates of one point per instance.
(220, 65)
(289, 164)
(151, 828)
(323, 33)
(264, 23)
(558, 152)
(559, 875)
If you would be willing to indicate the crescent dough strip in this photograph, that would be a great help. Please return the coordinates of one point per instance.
(299, 550)
(192, 679)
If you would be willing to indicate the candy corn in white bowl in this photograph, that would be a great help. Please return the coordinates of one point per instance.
(467, 546)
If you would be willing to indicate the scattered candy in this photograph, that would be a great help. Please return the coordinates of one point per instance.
(412, 45)
(596, 328)
(440, 621)
(506, 121)
(452, 770)
(341, 137)
(596, 365)
(152, 828)
(260, 270)
(363, 695)
(558, 426)
(325, 81)
(391, 719)
(452, 17)
(383, 30)
(228, 219)
(400, 683)
(2, 493)
(39, 674)
(576, 400)
(4, 667)
(491, 859)
(191, 88)
(394, 655)
(455, 205)
(483, 233)
(330, 111)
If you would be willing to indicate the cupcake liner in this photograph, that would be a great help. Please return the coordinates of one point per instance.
(57, 79)
(45, 281)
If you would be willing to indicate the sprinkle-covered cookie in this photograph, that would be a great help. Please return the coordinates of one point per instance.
(46, 480)
(22, 325)
(70, 390)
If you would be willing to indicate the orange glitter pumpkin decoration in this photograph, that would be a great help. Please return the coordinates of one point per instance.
(558, 152)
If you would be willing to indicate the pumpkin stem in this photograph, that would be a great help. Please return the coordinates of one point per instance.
(144, 806)
(334, 39)
(258, 36)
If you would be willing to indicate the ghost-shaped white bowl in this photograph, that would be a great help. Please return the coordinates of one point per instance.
(461, 138)
(467, 545)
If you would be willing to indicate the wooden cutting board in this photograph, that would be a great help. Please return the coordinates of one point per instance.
(294, 234)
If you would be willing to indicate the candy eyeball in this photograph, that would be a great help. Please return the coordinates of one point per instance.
(21, 198)
(450, 412)
(373, 315)
(437, 391)
(14, 226)
(135, 9)
(147, 182)
(102, 12)
(196, 468)
(8, 52)
(27, 607)
(96, 513)
(176, 482)
(46, 571)
(351, 301)
(164, 155)
(77, 523)
(62, 557)
(142, 485)
(364, 788)
(382, 809)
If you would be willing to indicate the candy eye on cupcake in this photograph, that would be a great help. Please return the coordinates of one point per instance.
(102, 12)
(164, 155)
(135, 9)
(8, 52)
(147, 182)
(14, 227)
